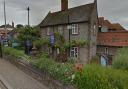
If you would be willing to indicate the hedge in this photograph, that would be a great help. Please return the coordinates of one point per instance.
(19, 54)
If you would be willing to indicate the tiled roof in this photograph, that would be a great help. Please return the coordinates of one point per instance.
(103, 22)
(72, 15)
(117, 26)
(113, 26)
(113, 38)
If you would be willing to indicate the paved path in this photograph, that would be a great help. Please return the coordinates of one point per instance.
(14, 78)
(2, 86)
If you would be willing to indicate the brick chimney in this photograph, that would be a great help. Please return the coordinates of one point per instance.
(64, 5)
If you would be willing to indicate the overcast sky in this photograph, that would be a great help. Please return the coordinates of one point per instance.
(114, 10)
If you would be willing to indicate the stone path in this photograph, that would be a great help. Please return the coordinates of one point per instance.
(14, 78)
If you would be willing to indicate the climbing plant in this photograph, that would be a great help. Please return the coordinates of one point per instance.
(61, 44)
(41, 42)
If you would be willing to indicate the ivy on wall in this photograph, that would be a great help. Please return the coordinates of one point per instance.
(61, 43)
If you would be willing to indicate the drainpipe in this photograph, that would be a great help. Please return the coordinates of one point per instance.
(69, 34)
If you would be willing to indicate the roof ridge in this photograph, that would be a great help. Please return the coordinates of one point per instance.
(72, 8)
(76, 14)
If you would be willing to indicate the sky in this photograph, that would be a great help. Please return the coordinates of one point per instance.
(113, 10)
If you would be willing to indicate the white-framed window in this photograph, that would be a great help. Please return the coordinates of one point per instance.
(75, 29)
(48, 31)
(60, 29)
(106, 50)
(74, 52)
(58, 51)
(94, 29)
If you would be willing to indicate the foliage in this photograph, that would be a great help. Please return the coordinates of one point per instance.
(39, 42)
(15, 53)
(61, 43)
(28, 32)
(97, 77)
(62, 72)
(121, 59)
(91, 76)
(19, 26)
(95, 60)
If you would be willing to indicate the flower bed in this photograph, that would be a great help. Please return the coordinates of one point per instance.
(60, 71)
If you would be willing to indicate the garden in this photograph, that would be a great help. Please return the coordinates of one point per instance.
(81, 76)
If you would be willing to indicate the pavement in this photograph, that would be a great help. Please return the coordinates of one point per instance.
(14, 78)
(2, 86)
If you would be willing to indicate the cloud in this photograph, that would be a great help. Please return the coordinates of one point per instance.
(113, 10)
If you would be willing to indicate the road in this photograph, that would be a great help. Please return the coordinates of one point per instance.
(2, 86)
(14, 78)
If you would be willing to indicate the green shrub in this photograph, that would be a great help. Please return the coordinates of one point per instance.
(121, 59)
(97, 77)
(60, 71)
(40, 42)
(95, 60)
(15, 53)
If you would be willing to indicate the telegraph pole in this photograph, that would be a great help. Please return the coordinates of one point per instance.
(1, 52)
(5, 18)
(28, 9)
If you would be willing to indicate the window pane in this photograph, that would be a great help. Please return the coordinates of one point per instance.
(74, 28)
(74, 52)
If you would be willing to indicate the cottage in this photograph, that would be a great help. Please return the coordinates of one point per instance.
(78, 23)
(110, 38)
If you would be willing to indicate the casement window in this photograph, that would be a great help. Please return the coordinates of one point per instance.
(48, 31)
(94, 30)
(75, 29)
(106, 50)
(74, 52)
(60, 29)
(58, 51)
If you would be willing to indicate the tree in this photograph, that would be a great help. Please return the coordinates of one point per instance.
(19, 26)
(28, 33)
